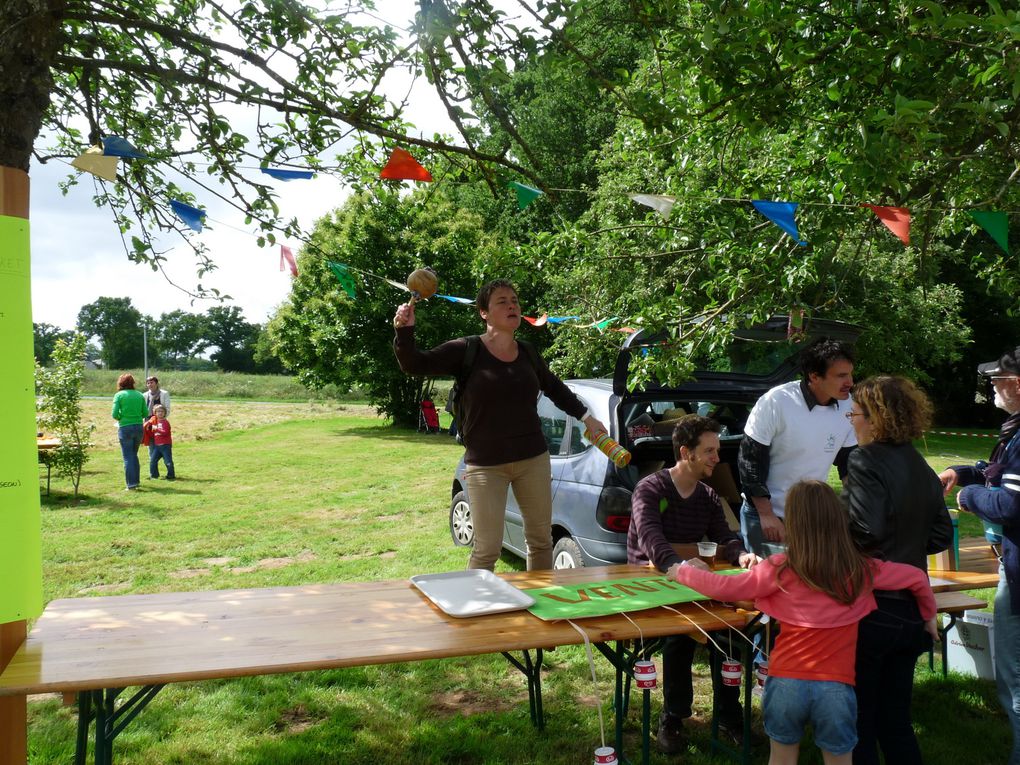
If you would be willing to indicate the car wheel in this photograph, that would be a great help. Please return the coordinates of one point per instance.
(567, 554)
(461, 527)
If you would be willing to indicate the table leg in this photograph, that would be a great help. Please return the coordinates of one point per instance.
(945, 649)
(101, 706)
(85, 716)
(532, 670)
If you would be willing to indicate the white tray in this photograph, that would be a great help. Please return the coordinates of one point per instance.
(471, 593)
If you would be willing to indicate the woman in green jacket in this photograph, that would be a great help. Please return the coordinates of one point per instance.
(130, 410)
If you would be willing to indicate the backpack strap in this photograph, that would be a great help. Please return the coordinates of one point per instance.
(470, 353)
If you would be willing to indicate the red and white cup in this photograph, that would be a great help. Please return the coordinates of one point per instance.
(645, 676)
(761, 672)
(606, 755)
(732, 671)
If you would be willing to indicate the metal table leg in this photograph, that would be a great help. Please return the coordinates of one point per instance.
(101, 706)
(532, 670)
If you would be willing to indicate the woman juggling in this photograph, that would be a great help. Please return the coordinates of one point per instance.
(498, 419)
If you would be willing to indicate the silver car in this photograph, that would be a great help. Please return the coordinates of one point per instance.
(591, 496)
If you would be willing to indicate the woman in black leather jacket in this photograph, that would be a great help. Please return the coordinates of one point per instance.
(897, 513)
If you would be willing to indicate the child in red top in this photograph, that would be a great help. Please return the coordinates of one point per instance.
(157, 434)
(818, 590)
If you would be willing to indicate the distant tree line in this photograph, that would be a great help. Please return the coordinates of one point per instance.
(175, 340)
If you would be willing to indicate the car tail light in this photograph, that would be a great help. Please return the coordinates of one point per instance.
(613, 511)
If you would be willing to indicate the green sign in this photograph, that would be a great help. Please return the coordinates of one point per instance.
(613, 596)
(20, 540)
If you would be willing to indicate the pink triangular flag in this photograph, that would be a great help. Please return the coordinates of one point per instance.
(896, 219)
(539, 322)
(403, 167)
(287, 255)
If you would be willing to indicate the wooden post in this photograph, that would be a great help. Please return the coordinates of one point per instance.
(13, 709)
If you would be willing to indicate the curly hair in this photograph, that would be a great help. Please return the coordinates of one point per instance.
(126, 382)
(897, 410)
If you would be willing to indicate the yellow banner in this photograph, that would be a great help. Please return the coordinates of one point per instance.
(20, 538)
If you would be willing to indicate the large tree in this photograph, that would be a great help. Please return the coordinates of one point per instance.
(328, 336)
(46, 337)
(118, 325)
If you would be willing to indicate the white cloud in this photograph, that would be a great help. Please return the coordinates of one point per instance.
(77, 254)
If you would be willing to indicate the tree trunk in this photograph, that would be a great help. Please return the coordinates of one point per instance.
(31, 38)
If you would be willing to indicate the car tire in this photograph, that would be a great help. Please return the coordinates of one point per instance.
(567, 554)
(462, 529)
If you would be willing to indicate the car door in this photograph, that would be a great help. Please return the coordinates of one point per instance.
(554, 428)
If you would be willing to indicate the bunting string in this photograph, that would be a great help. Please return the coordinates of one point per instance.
(102, 161)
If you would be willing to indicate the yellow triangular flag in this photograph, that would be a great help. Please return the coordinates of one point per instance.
(93, 161)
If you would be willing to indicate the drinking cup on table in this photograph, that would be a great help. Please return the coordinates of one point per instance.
(707, 551)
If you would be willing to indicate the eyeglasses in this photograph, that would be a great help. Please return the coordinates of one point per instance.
(850, 415)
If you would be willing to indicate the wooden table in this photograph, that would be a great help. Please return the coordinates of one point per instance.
(96, 647)
(44, 447)
(979, 568)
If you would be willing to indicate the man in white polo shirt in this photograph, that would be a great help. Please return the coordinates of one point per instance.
(797, 430)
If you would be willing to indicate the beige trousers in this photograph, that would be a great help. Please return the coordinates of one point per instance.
(487, 486)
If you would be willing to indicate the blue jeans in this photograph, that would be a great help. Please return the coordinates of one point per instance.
(130, 437)
(750, 530)
(830, 707)
(164, 452)
(1007, 661)
(889, 640)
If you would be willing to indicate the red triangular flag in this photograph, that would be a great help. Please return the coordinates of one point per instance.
(286, 254)
(403, 167)
(896, 219)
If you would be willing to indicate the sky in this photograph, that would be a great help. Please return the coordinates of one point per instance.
(78, 256)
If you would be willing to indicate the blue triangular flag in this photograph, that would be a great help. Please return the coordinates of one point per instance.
(561, 319)
(191, 216)
(780, 213)
(288, 175)
(115, 146)
(452, 299)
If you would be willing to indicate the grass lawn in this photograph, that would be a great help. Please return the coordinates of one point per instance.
(289, 494)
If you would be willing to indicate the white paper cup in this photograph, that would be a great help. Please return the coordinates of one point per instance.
(761, 672)
(605, 755)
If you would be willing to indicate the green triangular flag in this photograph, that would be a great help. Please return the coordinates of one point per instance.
(343, 275)
(525, 194)
(996, 224)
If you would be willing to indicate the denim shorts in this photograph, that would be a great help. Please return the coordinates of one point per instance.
(831, 709)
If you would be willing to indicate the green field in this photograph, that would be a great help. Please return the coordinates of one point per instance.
(289, 494)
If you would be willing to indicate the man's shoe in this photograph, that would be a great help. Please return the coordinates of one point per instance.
(670, 738)
(732, 727)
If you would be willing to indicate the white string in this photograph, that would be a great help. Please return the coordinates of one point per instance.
(594, 680)
(641, 635)
(739, 632)
(697, 627)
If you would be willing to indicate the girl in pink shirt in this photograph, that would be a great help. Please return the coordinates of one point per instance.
(818, 590)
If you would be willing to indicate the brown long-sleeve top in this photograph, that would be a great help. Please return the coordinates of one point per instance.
(498, 406)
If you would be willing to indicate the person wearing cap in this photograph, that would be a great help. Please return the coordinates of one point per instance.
(675, 506)
(992, 492)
